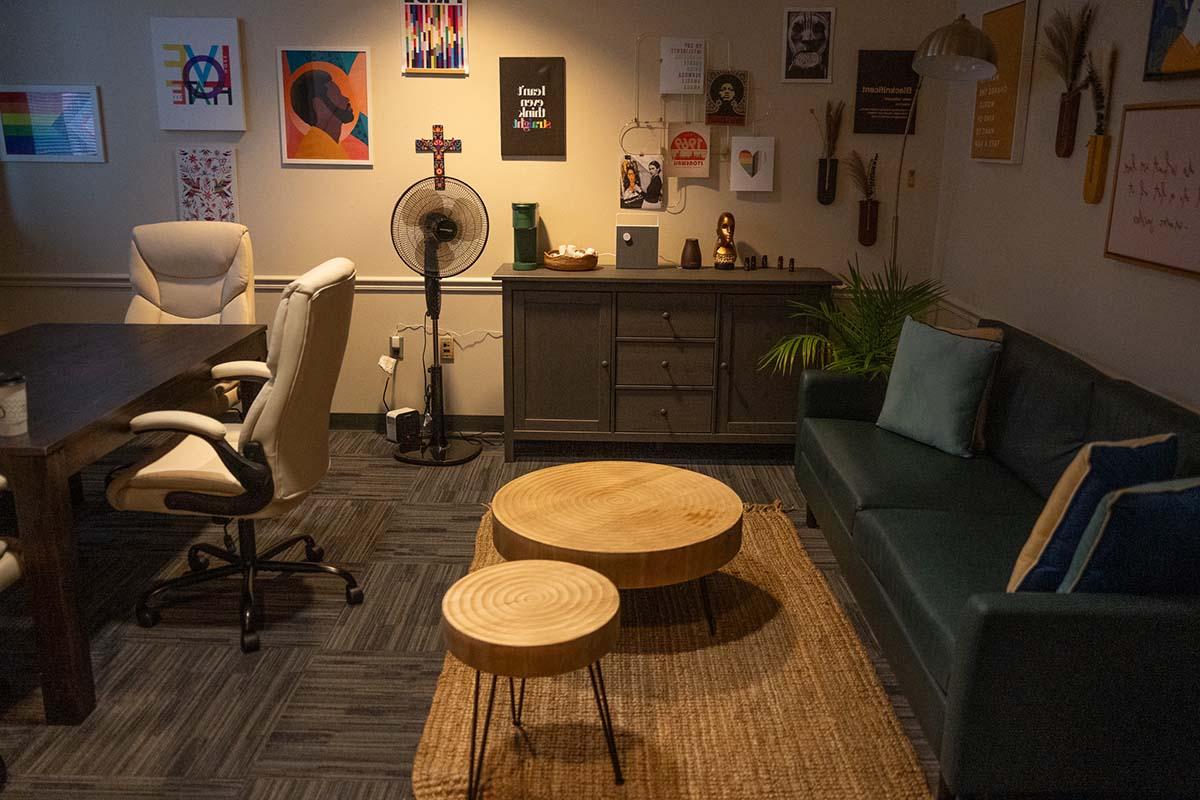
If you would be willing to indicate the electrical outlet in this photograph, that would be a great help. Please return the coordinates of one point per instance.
(397, 346)
(447, 350)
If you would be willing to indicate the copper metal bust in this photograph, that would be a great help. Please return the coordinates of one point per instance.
(725, 256)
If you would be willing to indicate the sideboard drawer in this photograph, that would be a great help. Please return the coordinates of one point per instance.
(663, 411)
(665, 363)
(667, 315)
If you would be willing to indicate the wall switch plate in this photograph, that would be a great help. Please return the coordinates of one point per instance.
(447, 350)
(396, 343)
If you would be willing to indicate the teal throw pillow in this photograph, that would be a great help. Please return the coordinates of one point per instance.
(937, 382)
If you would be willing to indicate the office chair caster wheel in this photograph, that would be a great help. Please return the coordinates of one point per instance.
(249, 641)
(197, 562)
(314, 553)
(354, 595)
(147, 617)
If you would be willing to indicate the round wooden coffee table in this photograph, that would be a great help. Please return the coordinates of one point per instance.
(640, 525)
(530, 619)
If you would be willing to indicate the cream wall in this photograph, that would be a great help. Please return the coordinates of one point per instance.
(1019, 243)
(60, 220)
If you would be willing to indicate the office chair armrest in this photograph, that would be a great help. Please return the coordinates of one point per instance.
(179, 422)
(242, 370)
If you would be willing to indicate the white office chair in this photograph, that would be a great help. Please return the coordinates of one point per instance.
(196, 273)
(263, 467)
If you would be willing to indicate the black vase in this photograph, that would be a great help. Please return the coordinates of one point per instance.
(690, 259)
(827, 171)
(868, 222)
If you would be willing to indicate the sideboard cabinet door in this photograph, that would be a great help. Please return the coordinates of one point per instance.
(562, 361)
(750, 400)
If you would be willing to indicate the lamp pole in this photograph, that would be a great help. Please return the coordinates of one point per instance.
(912, 110)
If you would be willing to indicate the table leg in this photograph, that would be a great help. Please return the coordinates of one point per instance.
(516, 706)
(610, 737)
(475, 768)
(43, 498)
(706, 601)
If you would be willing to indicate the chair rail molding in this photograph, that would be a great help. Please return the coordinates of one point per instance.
(369, 284)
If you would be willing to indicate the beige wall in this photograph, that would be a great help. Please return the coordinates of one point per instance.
(75, 218)
(1019, 243)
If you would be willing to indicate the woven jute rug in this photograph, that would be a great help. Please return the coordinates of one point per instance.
(781, 703)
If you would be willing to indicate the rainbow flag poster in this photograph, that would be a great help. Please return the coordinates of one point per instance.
(435, 38)
(50, 123)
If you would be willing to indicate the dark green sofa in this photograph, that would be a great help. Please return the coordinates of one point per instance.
(1039, 694)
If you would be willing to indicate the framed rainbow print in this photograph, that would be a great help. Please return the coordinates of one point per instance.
(325, 106)
(435, 38)
(50, 123)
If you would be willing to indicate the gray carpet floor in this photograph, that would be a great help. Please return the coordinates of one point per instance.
(334, 703)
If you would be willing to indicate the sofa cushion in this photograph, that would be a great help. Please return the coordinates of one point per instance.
(862, 466)
(1121, 410)
(929, 562)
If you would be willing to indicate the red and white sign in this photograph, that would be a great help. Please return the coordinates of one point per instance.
(688, 150)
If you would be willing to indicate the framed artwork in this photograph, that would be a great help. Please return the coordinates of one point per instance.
(886, 89)
(727, 101)
(435, 38)
(689, 151)
(642, 183)
(1173, 49)
(50, 123)
(1154, 210)
(206, 183)
(681, 70)
(533, 107)
(198, 73)
(1002, 103)
(807, 45)
(752, 163)
(325, 105)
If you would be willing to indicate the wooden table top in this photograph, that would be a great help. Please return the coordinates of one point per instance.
(78, 374)
(803, 276)
(639, 524)
(531, 618)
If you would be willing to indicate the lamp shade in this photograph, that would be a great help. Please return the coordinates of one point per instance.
(956, 52)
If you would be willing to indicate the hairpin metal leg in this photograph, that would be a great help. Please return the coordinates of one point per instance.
(707, 603)
(516, 706)
(475, 769)
(610, 738)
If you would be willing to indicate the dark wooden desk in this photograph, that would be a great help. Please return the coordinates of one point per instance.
(85, 382)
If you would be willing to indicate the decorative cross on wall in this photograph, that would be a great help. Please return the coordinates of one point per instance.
(439, 145)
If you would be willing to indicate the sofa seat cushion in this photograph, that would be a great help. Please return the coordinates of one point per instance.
(862, 466)
(929, 563)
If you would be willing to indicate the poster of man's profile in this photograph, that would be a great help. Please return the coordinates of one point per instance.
(324, 106)
(728, 99)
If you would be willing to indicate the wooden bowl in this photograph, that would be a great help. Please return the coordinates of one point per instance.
(569, 263)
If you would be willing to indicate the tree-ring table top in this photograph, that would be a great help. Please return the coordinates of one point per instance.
(531, 618)
(639, 524)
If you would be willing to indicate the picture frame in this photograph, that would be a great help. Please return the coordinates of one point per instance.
(1170, 54)
(206, 182)
(1002, 103)
(1154, 206)
(807, 54)
(51, 123)
(198, 76)
(435, 39)
(348, 70)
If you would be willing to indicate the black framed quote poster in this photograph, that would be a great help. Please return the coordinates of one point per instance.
(533, 107)
(887, 86)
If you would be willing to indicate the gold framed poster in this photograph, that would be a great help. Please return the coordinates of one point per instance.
(1002, 103)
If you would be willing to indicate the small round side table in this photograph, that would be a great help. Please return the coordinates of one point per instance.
(531, 619)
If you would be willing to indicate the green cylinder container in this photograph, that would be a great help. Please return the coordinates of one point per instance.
(525, 224)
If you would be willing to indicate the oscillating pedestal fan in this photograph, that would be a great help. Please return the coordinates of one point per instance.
(439, 233)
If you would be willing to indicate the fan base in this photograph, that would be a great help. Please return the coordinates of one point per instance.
(456, 452)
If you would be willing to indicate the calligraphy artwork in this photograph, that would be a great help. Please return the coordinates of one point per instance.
(198, 73)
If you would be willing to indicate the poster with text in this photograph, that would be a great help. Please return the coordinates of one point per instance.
(688, 151)
(1001, 103)
(206, 183)
(324, 106)
(533, 107)
(808, 45)
(197, 68)
(887, 87)
(728, 99)
(682, 68)
(642, 185)
(752, 163)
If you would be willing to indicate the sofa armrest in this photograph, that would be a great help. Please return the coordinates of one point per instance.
(840, 396)
(1080, 693)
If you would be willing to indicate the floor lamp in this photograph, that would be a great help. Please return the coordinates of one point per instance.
(955, 52)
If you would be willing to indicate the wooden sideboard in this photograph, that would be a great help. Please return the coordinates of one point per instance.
(654, 355)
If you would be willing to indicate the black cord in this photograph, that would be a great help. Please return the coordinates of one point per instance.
(383, 398)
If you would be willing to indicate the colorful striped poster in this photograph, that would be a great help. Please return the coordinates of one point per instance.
(435, 38)
(50, 123)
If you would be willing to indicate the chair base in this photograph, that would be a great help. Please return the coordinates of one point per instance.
(249, 562)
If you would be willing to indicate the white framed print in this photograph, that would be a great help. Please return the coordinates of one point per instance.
(325, 105)
(807, 55)
(198, 73)
(50, 123)
(752, 163)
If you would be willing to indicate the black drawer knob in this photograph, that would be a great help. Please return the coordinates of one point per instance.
(666, 315)
(662, 412)
(665, 364)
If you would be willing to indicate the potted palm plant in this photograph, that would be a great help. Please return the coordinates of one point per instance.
(1099, 143)
(1065, 50)
(862, 173)
(827, 166)
(857, 335)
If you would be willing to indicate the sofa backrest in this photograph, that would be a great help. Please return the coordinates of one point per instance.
(1046, 404)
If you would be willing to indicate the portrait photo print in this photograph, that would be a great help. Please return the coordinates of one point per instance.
(807, 45)
(642, 182)
(727, 98)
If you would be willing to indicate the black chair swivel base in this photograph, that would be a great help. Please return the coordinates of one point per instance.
(249, 562)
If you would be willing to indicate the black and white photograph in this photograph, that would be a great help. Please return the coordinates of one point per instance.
(728, 99)
(642, 185)
(808, 45)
